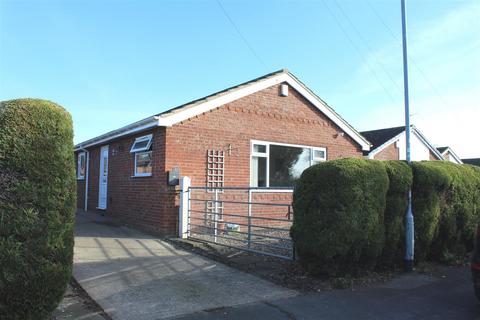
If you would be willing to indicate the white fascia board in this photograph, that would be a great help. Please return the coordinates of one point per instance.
(372, 154)
(453, 154)
(214, 103)
(250, 89)
(427, 143)
(153, 122)
(330, 114)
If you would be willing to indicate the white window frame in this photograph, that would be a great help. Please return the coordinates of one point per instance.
(79, 162)
(148, 138)
(135, 173)
(266, 155)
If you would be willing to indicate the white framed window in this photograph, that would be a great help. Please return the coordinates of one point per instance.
(81, 161)
(143, 164)
(142, 143)
(279, 164)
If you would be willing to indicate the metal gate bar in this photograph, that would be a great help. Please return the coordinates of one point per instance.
(209, 208)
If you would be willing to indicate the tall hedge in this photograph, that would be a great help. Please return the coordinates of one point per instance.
(338, 226)
(400, 181)
(37, 203)
(350, 213)
(446, 206)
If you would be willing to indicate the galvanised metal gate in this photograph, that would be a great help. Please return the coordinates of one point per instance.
(251, 219)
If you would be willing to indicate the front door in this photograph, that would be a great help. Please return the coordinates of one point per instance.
(103, 178)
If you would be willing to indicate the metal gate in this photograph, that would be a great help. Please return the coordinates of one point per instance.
(251, 219)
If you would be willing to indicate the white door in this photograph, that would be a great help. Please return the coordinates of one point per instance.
(103, 178)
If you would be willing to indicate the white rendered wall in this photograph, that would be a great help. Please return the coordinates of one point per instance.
(418, 150)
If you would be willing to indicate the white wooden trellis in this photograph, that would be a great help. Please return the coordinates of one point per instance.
(215, 169)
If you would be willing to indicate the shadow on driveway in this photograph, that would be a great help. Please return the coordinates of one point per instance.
(135, 276)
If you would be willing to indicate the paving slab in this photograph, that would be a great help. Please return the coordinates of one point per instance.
(132, 275)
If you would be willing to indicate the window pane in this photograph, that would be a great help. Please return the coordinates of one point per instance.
(287, 164)
(259, 148)
(140, 144)
(319, 154)
(259, 172)
(144, 163)
(82, 165)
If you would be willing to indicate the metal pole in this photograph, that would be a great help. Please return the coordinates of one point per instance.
(409, 224)
(249, 217)
(87, 169)
(216, 215)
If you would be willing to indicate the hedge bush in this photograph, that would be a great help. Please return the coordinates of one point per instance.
(400, 181)
(37, 203)
(339, 205)
(350, 213)
(446, 205)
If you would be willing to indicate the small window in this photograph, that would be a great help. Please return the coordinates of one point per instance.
(142, 144)
(259, 148)
(319, 155)
(81, 166)
(143, 164)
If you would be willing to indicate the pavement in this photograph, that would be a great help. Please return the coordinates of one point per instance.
(132, 275)
(410, 296)
(135, 276)
(77, 305)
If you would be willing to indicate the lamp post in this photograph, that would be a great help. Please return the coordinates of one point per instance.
(409, 225)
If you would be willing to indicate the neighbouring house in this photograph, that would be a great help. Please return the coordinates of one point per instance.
(262, 133)
(390, 144)
(472, 161)
(448, 154)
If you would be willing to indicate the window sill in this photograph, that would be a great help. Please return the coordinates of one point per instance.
(80, 179)
(272, 190)
(142, 176)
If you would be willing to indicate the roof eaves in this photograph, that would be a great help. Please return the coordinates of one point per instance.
(138, 126)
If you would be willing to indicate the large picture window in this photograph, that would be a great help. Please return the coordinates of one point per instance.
(81, 165)
(280, 165)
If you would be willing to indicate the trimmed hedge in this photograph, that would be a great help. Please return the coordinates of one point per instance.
(349, 213)
(446, 205)
(400, 181)
(338, 226)
(37, 203)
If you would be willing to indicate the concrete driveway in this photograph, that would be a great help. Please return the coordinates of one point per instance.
(135, 276)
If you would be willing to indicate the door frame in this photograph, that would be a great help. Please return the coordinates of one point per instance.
(100, 172)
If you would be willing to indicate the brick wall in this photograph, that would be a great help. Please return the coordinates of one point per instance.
(148, 202)
(389, 153)
(261, 116)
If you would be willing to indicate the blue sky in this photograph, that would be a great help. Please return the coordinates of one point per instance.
(111, 63)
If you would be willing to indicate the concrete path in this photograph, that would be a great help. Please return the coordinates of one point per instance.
(135, 276)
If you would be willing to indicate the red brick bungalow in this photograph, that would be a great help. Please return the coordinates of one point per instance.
(246, 130)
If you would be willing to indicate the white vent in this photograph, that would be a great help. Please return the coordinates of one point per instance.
(284, 90)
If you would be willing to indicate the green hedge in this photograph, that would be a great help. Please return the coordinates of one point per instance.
(338, 226)
(400, 181)
(37, 203)
(349, 213)
(446, 206)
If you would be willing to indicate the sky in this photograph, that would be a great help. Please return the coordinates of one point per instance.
(111, 63)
